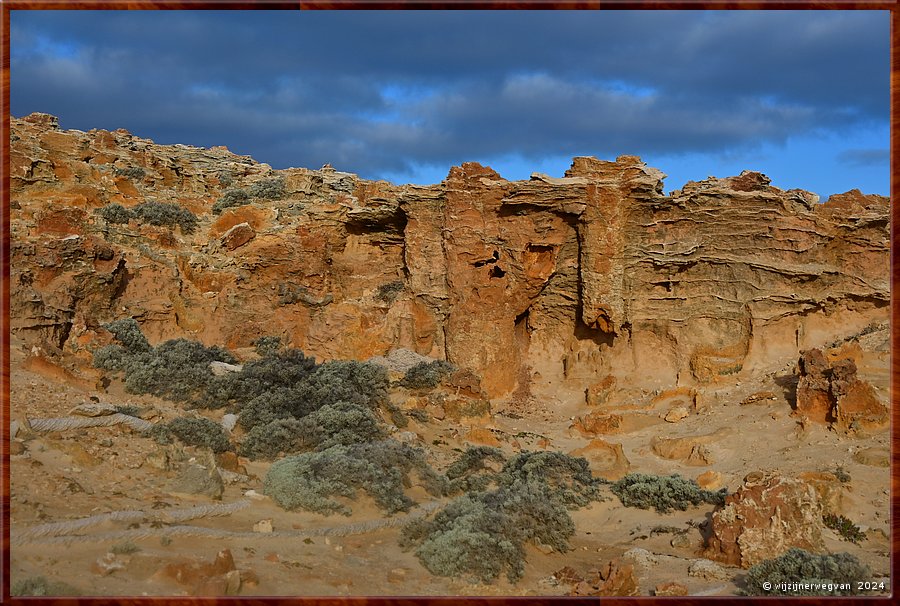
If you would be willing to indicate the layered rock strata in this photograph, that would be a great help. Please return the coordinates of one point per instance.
(530, 284)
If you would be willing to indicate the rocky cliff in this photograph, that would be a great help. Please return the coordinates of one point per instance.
(539, 284)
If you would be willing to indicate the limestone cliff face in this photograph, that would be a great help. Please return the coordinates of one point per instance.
(546, 282)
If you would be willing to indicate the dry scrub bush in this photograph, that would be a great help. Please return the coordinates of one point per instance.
(797, 566)
(483, 534)
(663, 493)
(193, 431)
(381, 469)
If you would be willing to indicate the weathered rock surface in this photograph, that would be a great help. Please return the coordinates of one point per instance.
(594, 274)
(832, 393)
(768, 515)
(612, 579)
(607, 460)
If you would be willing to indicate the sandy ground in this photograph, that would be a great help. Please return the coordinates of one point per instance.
(59, 476)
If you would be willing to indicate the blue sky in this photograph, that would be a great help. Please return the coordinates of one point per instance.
(802, 96)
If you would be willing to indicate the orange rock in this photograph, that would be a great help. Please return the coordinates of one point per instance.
(612, 579)
(832, 393)
(480, 435)
(498, 276)
(606, 460)
(598, 424)
(692, 450)
(256, 218)
(710, 480)
(598, 394)
(768, 515)
(237, 236)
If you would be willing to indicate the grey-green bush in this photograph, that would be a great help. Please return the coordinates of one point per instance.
(166, 215)
(269, 189)
(132, 172)
(114, 213)
(128, 332)
(469, 472)
(482, 534)
(176, 370)
(41, 587)
(566, 479)
(310, 480)
(230, 199)
(275, 371)
(468, 539)
(193, 431)
(335, 424)
(663, 493)
(267, 441)
(426, 375)
(268, 345)
(389, 291)
(797, 566)
(290, 385)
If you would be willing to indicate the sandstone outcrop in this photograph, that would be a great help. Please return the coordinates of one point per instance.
(832, 393)
(767, 515)
(597, 273)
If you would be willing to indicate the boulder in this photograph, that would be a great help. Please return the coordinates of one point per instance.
(769, 514)
(199, 480)
(834, 394)
(237, 236)
(606, 460)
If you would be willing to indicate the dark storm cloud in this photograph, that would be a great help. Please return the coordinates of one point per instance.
(865, 157)
(379, 92)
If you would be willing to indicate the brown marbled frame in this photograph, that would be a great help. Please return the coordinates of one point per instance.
(7, 5)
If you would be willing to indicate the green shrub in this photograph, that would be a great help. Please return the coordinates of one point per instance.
(128, 332)
(269, 189)
(267, 407)
(40, 587)
(663, 493)
(469, 539)
(797, 566)
(388, 292)
(132, 172)
(125, 548)
(420, 415)
(225, 178)
(114, 213)
(566, 479)
(230, 199)
(469, 472)
(342, 380)
(275, 371)
(176, 370)
(335, 424)
(113, 358)
(844, 527)
(268, 440)
(426, 375)
(310, 480)
(193, 431)
(342, 423)
(160, 214)
(166, 215)
(267, 346)
(482, 534)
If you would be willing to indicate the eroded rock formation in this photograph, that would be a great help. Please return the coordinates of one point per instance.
(768, 515)
(528, 283)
